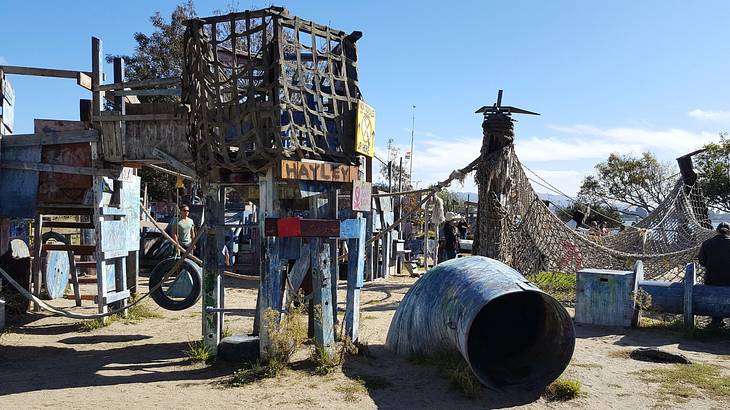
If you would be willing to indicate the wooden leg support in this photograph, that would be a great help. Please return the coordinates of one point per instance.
(690, 278)
(355, 281)
(322, 287)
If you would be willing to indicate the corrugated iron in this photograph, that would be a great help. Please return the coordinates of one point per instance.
(512, 335)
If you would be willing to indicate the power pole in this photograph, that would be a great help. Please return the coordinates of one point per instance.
(413, 128)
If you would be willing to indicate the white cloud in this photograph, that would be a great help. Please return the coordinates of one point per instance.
(709, 115)
(553, 149)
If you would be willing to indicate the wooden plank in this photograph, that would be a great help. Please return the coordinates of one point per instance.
(311, 170)
(310, 228)
(355, 280)
(68, 225)
(42, 72)
(322, 297)
(38, 249)
(97, 71)
(170, 172)
(76, 249)
(82, 297)
(115, 296)
(84, 80)
(213, 265)
(64, 169)
(690, 278)
(174, 162)
(47, 138)
(149, 92)
(140, 117)
(19, 188)
(140, 84)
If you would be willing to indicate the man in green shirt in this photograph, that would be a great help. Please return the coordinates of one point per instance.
(184, 230)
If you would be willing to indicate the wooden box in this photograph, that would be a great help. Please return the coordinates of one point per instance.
(605, 297)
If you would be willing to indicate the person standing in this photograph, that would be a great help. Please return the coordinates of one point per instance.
(715, 257)
(451, 241)
(184, 230)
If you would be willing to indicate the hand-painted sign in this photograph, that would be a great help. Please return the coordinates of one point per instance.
(361, 196)
(365, 130)
(318, 171)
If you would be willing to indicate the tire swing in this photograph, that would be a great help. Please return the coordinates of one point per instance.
(179, 291)
(56, 266)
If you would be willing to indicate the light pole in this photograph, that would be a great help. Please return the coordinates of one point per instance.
(413, 127)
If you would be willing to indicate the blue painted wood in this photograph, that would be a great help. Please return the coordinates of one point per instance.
(322, 295)
(270, 286)
(57, 271)
(690, 278)
(355, 280)
(19, 188)
(604, 297)
(350, 229)
(213, 266)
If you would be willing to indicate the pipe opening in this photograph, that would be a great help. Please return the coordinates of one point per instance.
(520, 339)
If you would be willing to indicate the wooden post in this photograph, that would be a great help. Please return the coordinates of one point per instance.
(270, 271)
(37, 263)
(333, 210)
(690, 278)
(370, 265)
(355, 280)
(213, 266)
(321, 285)
(638, 277)
(97, 74)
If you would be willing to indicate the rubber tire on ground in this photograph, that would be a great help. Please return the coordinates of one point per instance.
(159, 295)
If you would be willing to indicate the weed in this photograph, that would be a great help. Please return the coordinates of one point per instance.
(682, 381)
(454, 369)
(587, 365)
(369, 317)
(142, 310)
(227, 332)
(197, 352)
(642, 298)
(559, 285)
(562, 390)
(351, 390)
(95, 324)
(325, 361)
(675, 323)
(256, 371)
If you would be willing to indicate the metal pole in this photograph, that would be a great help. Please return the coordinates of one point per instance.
(400, 188)
(390, 176)
(413, 128)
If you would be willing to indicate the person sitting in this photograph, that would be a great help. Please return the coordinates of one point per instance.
(715, 257)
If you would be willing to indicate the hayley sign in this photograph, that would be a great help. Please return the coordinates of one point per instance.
(318, 171)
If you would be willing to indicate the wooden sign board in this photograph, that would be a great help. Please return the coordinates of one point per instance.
(365, 129)
(361, 196)
(318, 171)
(7, 101)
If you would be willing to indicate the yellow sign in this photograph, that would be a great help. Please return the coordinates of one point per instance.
(365, 130)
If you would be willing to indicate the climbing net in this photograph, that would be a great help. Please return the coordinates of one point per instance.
(263, 85)
(536, 240)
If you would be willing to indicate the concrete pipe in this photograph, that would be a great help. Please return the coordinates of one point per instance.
(513, 335)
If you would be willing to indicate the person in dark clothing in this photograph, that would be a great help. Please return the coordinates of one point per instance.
(463, 227)
(451, 242)
(715, 257)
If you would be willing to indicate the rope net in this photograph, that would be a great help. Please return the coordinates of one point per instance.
(263, 85)
(534, 239)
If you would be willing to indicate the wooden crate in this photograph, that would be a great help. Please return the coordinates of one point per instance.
(605, 297)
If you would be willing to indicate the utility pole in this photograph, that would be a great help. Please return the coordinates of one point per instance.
(413, 128)
(390, 176)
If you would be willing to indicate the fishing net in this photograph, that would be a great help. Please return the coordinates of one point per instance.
(263, 85)
(533, 239)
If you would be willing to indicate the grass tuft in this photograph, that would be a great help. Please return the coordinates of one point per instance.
(325, 362)
(559, 285)
(197, 352)
(562, 390)
(454, 369)
(256, 371)
(683, 381)
(352, 390)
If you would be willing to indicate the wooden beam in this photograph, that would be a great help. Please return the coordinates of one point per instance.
(152, 91)
(55, 138)
(69, 225)
(140, 84)
(76, 249)
(61, 169)
(167, 171)
(141, 117)
(42, 72)
(97, 67)
(174, 162)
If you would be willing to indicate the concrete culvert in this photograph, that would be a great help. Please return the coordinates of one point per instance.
(512, 335)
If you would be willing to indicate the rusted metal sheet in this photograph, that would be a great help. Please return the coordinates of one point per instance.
(512, 335)
(57, 188)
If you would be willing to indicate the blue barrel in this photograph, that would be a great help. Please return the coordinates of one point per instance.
(512, 335)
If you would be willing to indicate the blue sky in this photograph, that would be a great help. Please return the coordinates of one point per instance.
(619, 76)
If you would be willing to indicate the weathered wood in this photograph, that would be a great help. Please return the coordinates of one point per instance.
(140, 117)
(154, 91)
(174, 162)
(311, 170)
(268, 291)
(170, 172)
(41, 72)
(322, 297)
(604, 297)
(97, 71)
(139, 84)
(19, 188)
(84, 80)
(64, 169)
(638, 277)
(213, 266)
(69, 225)
(49, 138)
(307, 228)
(690, 278)
(355, 278)
(38, 248)
(74, 278)
(76, 249)
(115, 297)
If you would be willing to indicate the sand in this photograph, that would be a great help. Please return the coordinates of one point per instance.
(48, 362)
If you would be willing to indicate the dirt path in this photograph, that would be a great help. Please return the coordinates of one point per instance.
(49, 362)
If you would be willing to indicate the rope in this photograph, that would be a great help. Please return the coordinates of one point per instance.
(62, 312)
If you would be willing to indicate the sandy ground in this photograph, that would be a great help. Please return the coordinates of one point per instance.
(48, 362)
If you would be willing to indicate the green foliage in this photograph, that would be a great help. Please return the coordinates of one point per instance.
(562, 390)
(160, 185)
(256, 371)
(639, 181)
(198, 352)
(453, 368)
(559, 285)
(684, 381)
(713, 169)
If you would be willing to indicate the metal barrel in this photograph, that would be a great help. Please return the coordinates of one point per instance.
(512, 334)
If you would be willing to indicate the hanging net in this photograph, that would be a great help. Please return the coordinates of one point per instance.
(533, 239)
(263, 85)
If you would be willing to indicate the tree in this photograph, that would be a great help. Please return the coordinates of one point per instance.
(595, 211)
(639, 181)
(713, 169)
(159, 55)
(398, 173)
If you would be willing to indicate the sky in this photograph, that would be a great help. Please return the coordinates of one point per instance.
(619, 76)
